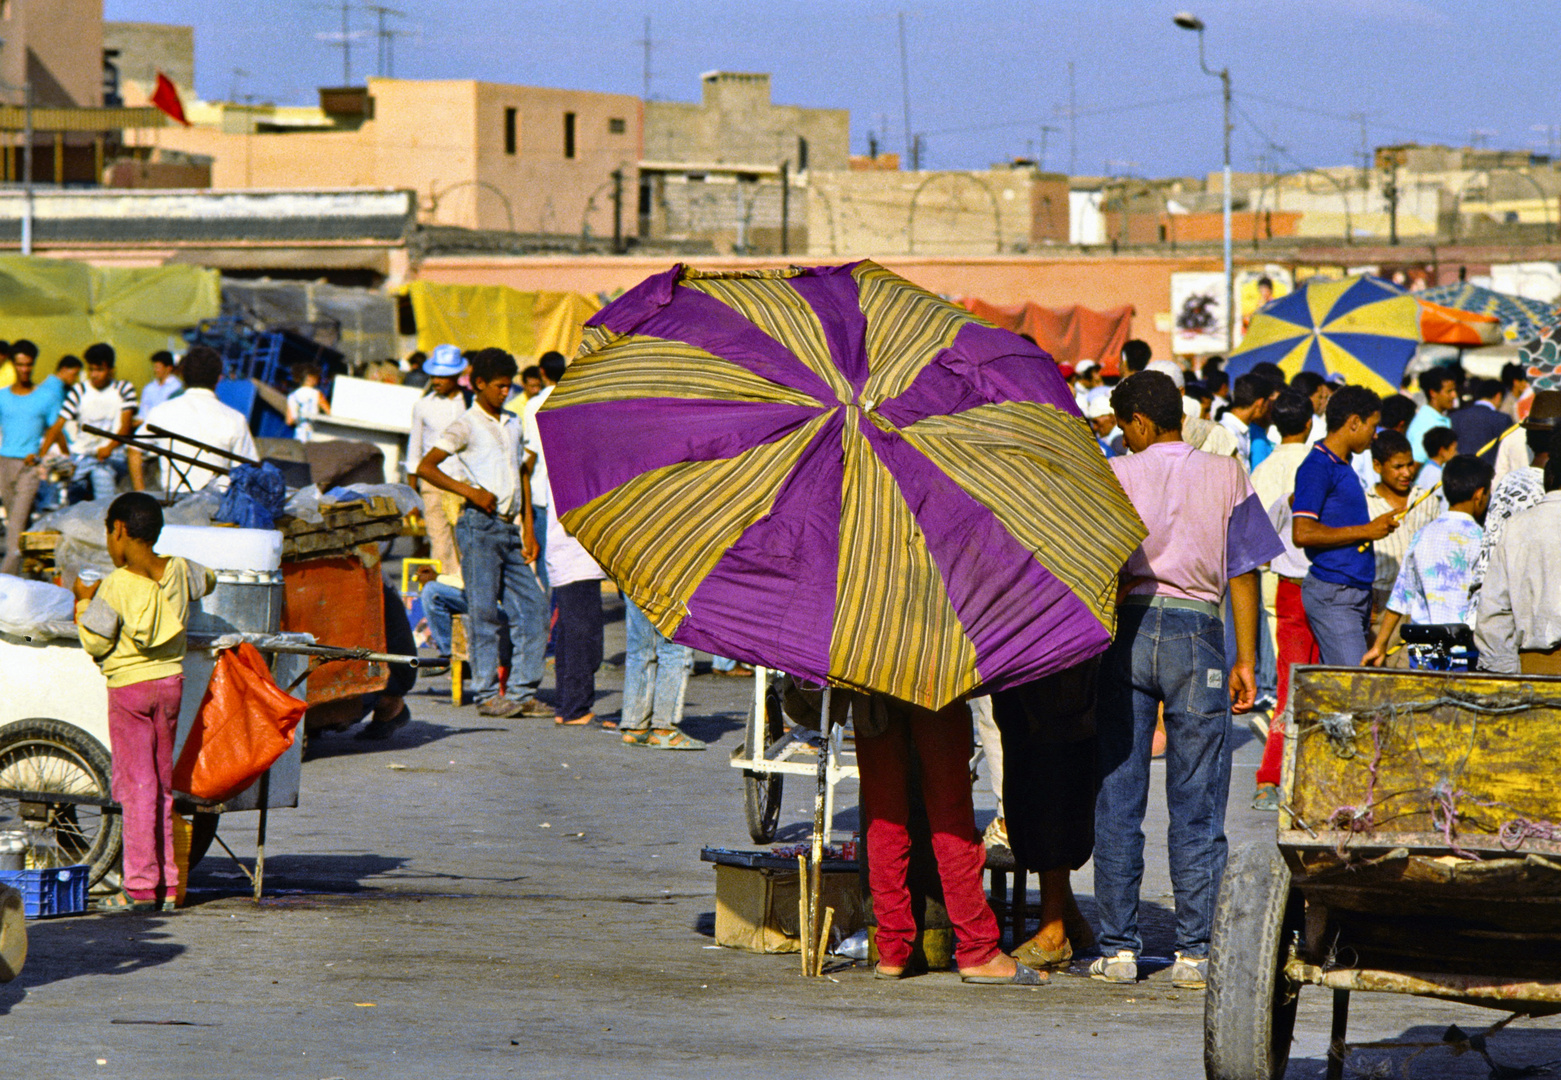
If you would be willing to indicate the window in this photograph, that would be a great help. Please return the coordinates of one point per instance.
(802, 154)
(617, 125)
(569, 134)
(509, 131)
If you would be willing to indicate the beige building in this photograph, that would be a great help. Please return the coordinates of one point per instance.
(479, 155)
(728, 170)
(988, 212)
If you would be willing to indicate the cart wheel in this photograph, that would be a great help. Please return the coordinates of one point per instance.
(203, 829)
(762, 791)
(42, 760)
(1249, 1008)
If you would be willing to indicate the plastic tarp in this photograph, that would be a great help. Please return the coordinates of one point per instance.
(1070, 334)
(524, 324)
(362, 320)
(65, 306)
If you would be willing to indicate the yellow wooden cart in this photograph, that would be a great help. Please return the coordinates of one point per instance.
(1418, 852)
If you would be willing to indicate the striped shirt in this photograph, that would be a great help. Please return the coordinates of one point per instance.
(86, 404)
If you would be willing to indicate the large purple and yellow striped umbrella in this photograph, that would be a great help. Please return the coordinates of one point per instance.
(835, 473)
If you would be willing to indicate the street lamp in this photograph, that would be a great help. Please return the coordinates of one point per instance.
(1188, 21)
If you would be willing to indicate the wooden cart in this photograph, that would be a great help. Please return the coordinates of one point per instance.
(1418, 852)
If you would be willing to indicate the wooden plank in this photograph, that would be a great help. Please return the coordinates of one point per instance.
(40, 541)
(1382, 759)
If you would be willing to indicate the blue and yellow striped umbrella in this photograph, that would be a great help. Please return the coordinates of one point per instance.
(1362, 328)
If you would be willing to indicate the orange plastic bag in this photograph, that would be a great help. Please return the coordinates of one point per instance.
(245, 723)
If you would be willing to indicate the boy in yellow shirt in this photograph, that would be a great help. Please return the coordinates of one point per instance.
(132, 623)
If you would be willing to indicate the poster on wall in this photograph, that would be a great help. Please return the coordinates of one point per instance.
(1254, 288)
(1198, 312)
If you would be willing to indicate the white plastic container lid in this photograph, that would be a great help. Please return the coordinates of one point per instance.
(223, 549)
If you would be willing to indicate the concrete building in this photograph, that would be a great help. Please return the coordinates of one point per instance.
(726, 170)
(134, 53)
(879, 212)
(479, 155)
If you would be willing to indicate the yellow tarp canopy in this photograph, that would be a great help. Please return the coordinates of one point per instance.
(64, 306)
(524, 324)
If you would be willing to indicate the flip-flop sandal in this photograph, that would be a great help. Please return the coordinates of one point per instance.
(672, 739)
(608, 725)
(580, 721)
(1023, 975)
(120, 904)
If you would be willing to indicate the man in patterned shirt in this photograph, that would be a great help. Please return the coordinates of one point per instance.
(1523, 487)
(1434, 581)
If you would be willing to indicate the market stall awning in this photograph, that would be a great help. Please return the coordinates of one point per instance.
(1070, 334)
(524, 324)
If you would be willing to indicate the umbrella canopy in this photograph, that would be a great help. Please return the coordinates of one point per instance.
(1363, 328)
(1521, 319)
(835, 473)
(1542, 357)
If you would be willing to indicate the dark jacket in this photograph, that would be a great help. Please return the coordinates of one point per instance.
(1476, 425)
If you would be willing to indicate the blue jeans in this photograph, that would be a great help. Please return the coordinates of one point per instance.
(655, 674)
(94, 479)
(1174, 656)
(498, 578)
(441, 603)
(539, 526)
(1340, 616)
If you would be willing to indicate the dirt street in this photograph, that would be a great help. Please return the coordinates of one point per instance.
(509, 899)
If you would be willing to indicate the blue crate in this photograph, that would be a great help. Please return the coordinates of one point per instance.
(59, 890)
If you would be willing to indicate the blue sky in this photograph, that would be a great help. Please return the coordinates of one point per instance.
(985, 77)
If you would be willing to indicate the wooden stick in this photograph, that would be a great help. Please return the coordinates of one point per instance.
(1405, 512)
(803, 936)
(1497, 439)
(823, 941)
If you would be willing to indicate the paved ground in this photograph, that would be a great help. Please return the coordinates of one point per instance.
(493, 899)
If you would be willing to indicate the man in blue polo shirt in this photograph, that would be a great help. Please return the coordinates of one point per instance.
(1330, 520)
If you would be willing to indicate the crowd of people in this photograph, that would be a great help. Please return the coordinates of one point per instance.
(1291, 520)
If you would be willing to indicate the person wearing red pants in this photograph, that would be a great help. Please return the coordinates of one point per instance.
(942, 742)
(1274, 482)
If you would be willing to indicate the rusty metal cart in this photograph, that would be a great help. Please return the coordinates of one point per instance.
(1418, 852)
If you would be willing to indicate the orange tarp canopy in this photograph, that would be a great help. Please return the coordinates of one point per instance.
(1070, 334)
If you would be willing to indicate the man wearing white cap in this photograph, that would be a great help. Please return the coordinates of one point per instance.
(436, 410)
(1104, 421)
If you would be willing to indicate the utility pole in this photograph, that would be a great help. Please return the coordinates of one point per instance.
(342, 40)
(646, 43)
(916, 153)
(1041, 164)
(911, 148)
(617, 211)
(1073, 122)
(785, 206)
(1390, 189)
(386, 60)
(1188, 21)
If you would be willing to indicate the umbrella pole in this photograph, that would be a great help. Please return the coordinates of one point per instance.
(816, 884)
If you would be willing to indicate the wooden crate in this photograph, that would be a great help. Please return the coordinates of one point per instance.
(345, 526)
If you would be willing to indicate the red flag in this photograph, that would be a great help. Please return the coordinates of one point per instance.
(166, 98)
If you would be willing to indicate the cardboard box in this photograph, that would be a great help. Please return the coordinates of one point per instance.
(756, 909)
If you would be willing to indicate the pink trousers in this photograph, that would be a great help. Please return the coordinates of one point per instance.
(943, 744)
(141, 722)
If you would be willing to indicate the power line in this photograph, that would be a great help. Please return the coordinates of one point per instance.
(1107, 110)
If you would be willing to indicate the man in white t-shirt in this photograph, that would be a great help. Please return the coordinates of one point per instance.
(552, 367)
(306, 404)
(107, 404)
(439, 407)
(196, 414)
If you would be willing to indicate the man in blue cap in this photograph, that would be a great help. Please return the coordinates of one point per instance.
(439, 406)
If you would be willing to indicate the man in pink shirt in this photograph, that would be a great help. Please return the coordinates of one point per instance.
(1207, 529)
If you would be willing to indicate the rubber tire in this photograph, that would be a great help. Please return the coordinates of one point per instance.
(103, 855)
(1249, 1006)
(762, 791)
(203, 829)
